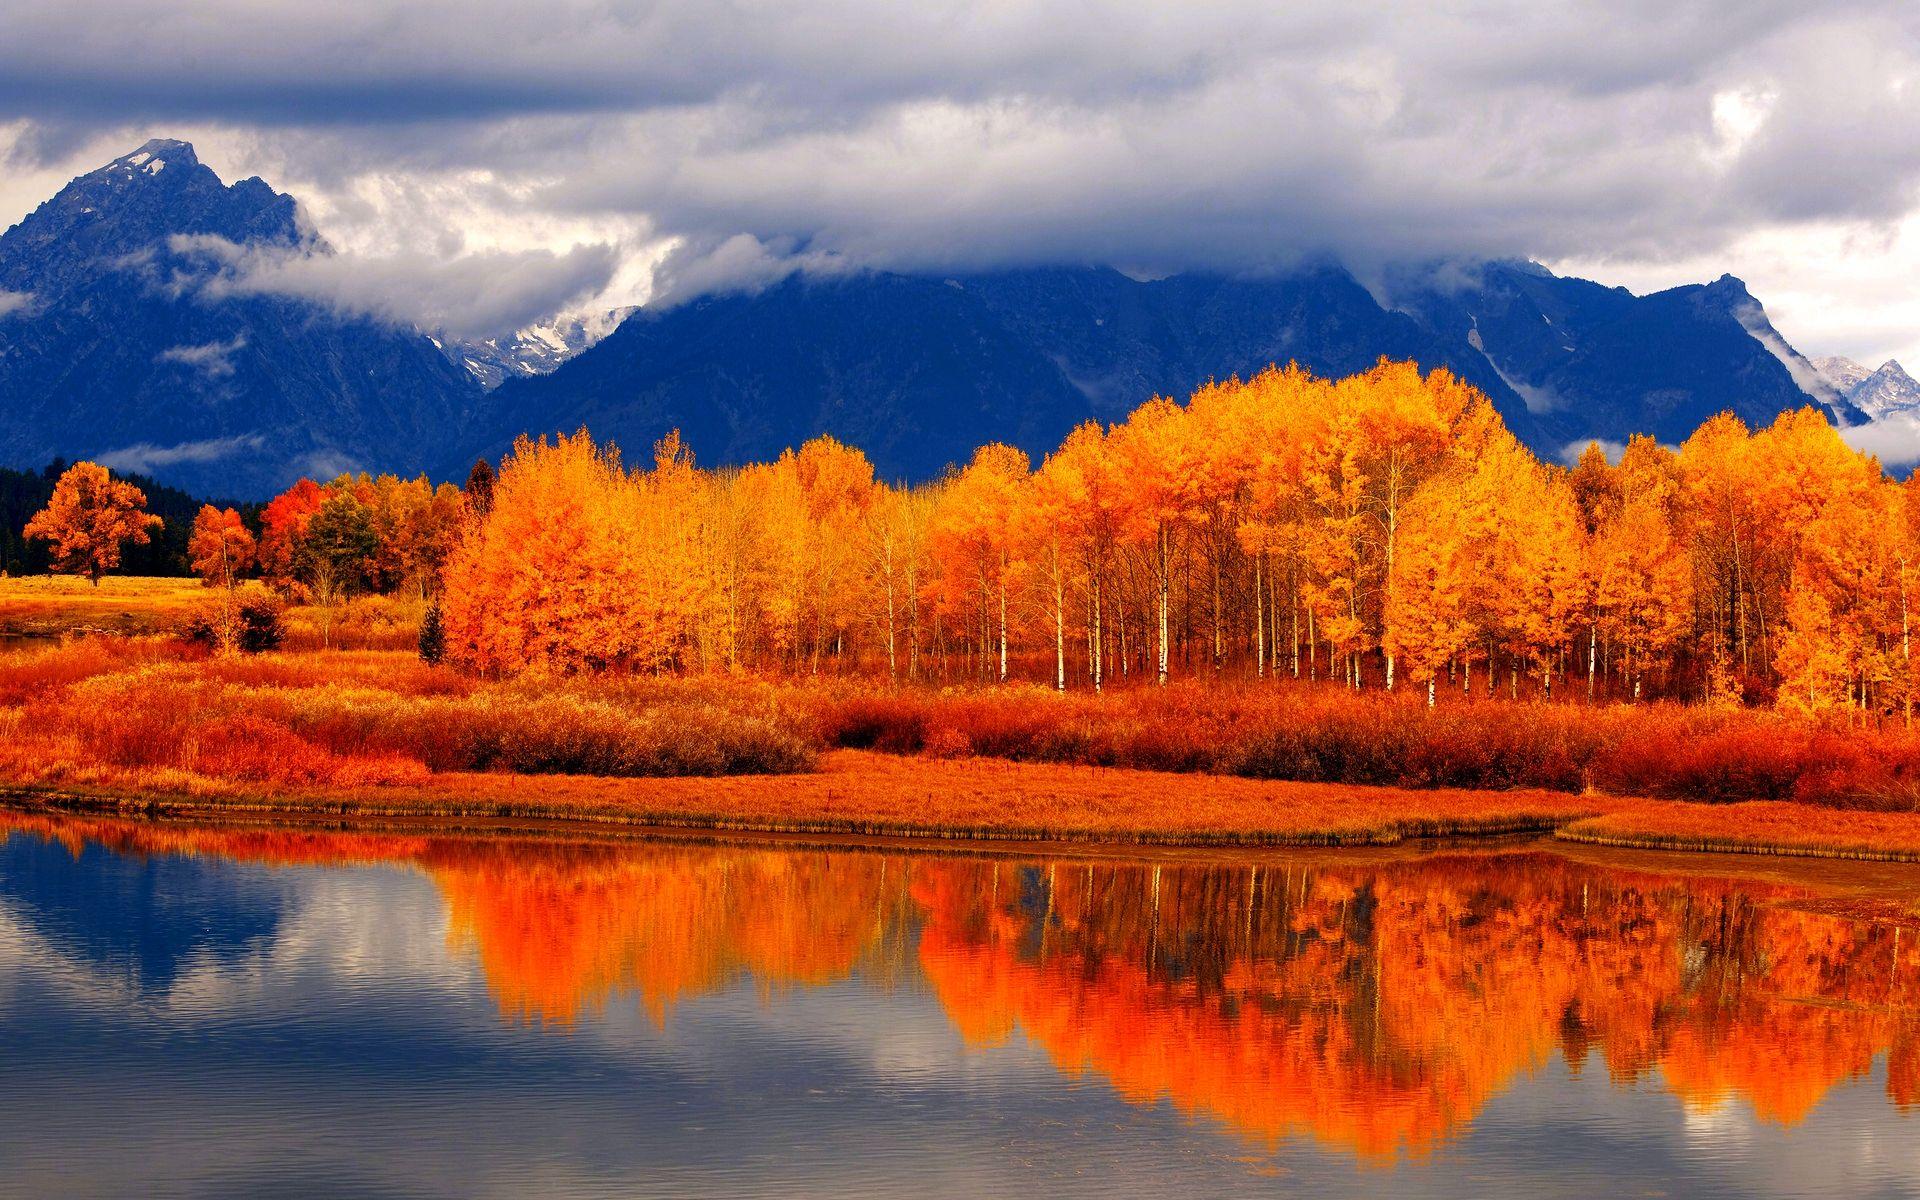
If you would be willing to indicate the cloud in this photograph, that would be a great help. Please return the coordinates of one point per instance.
(474, 295)
(1893, 439)
(1571, 452)
(143, 458)
(15, 302)
(865, 133)
(212, 359)
(741, 263)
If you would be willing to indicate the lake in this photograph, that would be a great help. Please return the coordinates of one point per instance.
(193, 1011)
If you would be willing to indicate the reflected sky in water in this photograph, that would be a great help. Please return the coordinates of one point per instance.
(205, 1012)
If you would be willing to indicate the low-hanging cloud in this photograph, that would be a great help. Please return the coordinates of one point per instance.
(1238, 134)
(1894, 439)
(476, 295)
(143, 458)
(741, 263)
(212, 359)
(15, 302)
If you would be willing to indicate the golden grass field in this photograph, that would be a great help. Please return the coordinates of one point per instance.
(149, 723)
(54, 605)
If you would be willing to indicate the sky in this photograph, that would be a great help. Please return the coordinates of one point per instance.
(572, 155)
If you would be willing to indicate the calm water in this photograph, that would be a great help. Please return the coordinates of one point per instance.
(232, 1013)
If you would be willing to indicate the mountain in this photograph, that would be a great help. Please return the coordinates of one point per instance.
(1600, 362)
(535, 350)
(1843, 373)
(1877, 393)
(122, 341)
(111, 349)
(918, 369)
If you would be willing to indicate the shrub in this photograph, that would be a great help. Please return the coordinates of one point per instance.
(433, 636)
(250, 620)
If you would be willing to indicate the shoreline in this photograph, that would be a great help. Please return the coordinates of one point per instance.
(996, 803)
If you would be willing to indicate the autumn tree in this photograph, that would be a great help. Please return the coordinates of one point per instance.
(336, 552)
(975, 534)
(222, 547)
(1428, 620)
(552, 578)
(90, 517)
(283, 531)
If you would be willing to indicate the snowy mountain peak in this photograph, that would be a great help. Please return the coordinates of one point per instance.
(151, 159)
(1876, 393)
(1888, 390)
(1843, 373)
(535, 350)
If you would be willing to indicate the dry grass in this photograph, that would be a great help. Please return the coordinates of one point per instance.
(141, 714)
(1758, 827)
(868, 794)
(1288, 731)
(379, 731)
(855, 792)
(55, 605)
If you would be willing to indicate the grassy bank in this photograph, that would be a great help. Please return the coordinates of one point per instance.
(859, 792)
(867, 794)
(112, 723)
(60, 605)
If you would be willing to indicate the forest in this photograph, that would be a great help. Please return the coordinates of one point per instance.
(1361, 583)
(1381, 532)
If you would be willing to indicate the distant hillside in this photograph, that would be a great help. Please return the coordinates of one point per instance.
(919, 370)
(1600, 362)
(113, 348)
(109, 351)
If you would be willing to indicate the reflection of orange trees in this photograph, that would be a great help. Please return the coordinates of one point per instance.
(559, 933)
(560, 928)
(266, 847)
(1373, 1007)
(1380, 1008)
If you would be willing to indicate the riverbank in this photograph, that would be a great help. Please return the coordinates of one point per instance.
(863, 793)
(154, 725)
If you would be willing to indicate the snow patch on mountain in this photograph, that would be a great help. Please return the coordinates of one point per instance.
(536, 350)
(1888, 390)
(1843, 373)
(1878, 393)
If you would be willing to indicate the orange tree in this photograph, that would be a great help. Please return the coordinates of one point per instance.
(90, 517)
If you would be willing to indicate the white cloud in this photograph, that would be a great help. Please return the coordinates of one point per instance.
(1893, 439)
(143, 458)
(14, 302)
(1643, 140)
(1571, 452)
(470, 295)
(212, 359)
(741, 263)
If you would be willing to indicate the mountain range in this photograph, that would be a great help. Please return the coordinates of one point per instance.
(1878, 393)
(121, 340)
(113, 350)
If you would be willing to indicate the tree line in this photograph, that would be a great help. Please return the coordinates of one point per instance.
(314, 542)
(1382, 531)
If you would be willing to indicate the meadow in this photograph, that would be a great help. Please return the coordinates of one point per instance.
(155, 722)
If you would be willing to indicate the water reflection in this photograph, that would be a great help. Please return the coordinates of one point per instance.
(1371, 1008)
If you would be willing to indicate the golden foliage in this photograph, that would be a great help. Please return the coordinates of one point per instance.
(89, 518)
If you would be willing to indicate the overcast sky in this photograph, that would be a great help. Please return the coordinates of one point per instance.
(588, 152)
